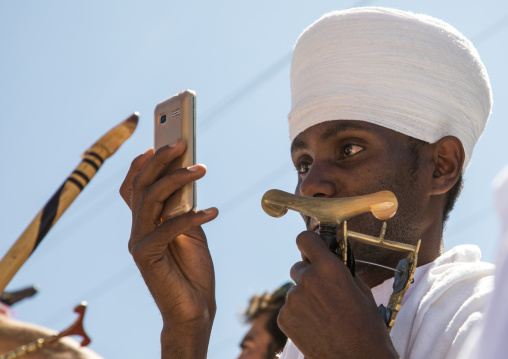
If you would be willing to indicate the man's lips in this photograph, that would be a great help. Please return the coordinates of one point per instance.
(313, 226)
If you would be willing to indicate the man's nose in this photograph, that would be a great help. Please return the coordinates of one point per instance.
(318, 182)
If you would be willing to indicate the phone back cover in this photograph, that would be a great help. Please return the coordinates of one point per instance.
(180, 123)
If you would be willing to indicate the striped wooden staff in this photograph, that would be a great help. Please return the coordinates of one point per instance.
(91, 161)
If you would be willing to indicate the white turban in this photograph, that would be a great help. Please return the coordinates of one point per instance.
(410, 73)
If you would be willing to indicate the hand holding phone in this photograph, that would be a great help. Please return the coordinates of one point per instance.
(173, 259)
(175, 118)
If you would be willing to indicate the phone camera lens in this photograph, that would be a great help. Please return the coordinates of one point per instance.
(162, 119)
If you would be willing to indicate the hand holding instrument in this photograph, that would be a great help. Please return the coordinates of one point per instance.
(331, 212)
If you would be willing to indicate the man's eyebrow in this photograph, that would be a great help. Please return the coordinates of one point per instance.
(341, 127)
(298, 145)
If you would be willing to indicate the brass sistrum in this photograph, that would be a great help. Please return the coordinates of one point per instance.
(331, 212)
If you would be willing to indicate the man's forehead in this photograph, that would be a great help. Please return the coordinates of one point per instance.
(257, 328)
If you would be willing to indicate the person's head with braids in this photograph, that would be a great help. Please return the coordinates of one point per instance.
(264, 338)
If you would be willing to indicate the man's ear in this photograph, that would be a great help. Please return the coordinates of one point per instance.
(448, 156)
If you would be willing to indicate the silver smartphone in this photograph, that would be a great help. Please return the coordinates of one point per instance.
(175, 118)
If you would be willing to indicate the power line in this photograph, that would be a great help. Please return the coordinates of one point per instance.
(108, 284)
(490, 31)
(240, 94)
(249, 191)
(100, 289)
(223, 105)
(94, 207)
(76, 220)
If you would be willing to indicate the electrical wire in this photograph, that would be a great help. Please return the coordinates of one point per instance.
(490, 31)
(222, 106)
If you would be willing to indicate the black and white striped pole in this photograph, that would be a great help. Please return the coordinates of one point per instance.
(91, 161)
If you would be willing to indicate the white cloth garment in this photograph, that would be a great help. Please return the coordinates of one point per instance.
(445, 302)
(490, 339)
(411, 73)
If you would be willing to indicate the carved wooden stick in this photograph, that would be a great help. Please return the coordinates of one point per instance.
(62, 199)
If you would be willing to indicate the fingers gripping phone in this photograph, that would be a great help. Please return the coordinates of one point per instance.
(175, 118)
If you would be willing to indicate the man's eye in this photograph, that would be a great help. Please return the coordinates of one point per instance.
(351, 150)
(303, 167)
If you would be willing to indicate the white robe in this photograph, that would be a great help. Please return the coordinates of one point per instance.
(490, 339)
(445, 302)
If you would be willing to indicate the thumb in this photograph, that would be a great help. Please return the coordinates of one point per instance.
(312, 247)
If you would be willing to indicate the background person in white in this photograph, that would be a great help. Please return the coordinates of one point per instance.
(381, 100)
(489, 339)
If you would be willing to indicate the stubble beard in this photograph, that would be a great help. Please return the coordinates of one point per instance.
(405, 226)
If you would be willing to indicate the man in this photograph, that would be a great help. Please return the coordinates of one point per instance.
(264, 340)
(381, 100)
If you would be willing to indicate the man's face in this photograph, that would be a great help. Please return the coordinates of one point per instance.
(257, 343)
(342, 158)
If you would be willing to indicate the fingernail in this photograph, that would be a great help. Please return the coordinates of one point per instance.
(193, 168)
(174, 143)
(208, 210)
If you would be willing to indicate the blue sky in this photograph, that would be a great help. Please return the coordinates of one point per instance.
(70, 71)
